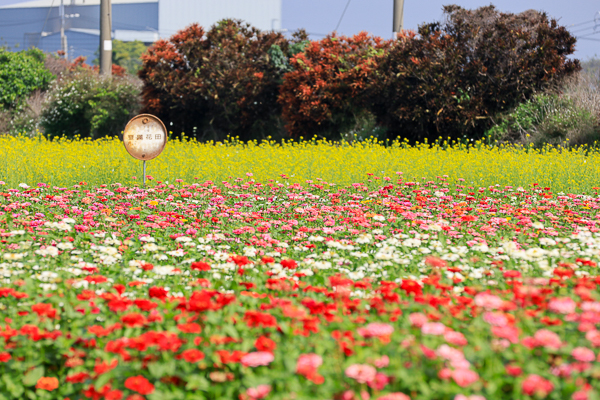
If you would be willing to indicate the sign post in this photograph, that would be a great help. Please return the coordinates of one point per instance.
(145, 137)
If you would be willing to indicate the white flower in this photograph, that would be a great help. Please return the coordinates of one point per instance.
(150, 247)
(411, 243)
(322, 264)
(176, 253)
(24, 185)
(547, 241)
(537, 225)
(65, 245)
(14, 256)
(48, 251)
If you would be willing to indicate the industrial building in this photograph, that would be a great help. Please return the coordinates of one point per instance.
(38, 23)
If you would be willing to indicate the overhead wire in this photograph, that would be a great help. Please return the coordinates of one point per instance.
(342, 17)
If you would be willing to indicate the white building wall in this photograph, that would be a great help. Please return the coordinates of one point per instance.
(174, 15)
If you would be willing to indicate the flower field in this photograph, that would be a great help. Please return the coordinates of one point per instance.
(67, 162)
(390, 290)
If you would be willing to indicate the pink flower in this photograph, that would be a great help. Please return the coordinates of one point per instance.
(445, 373)
(382, 362)
(379, 382)
(593, 306)
(472, 397)
(455, 338)
(464, 377)
(509, 333)
(433, 328)
(580, 395)
(417, 319)
(394, 396)
(562, 305)
(307, 364)
(488, 301)
(548, 339)
(594, 337)
(562, 371)
(259, 392)
(257, 358)
(376, 329)
(583, 354)
(495, 318)
(450, 353)
(362, 373)
(536, 385)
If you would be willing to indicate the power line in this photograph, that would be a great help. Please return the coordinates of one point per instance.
(587, 35)
(342, 17)
(581, 23)
(47, 15)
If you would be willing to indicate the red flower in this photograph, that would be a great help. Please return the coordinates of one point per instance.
(145, 305)
(158, 292)
(44, 310)
(47, 383)
(5, 357)
(192, 355)
(200, 266)
(257, 319)
(139, 384)
(240, 261)
(78, 377)
(265, 344)
(133, 320)
(191, 327)
(289, 264)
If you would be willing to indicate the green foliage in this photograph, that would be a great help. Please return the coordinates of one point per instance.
(21, 73)
(87, 105)
(547, 119)
(125, 54)
(454, 77)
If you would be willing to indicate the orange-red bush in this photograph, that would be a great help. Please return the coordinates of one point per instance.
(324, 93)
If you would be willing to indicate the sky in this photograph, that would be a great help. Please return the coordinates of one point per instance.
(320, 17)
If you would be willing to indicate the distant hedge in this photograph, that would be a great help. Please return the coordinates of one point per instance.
(449, 78)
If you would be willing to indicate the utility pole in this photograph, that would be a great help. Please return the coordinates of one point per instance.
(105, 37)
(398, 15)
(63, 37)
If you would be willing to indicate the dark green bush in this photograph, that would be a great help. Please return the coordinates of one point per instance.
(88, 105)
(21, 73)
(453, 77)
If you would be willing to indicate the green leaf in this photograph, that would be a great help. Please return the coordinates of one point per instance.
(102, 380)
(33, 376)
(197, 382)
(14, 388)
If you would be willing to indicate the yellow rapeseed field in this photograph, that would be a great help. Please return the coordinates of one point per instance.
(67, 162)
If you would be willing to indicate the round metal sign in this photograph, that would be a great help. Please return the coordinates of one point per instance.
(145, 137)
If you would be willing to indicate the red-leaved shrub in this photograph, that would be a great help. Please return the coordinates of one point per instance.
(324, 93)
(210, 84)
